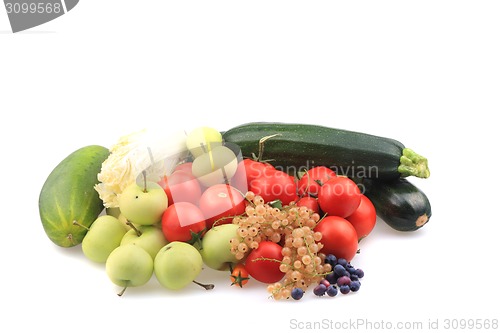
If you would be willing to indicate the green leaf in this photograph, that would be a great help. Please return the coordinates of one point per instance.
(196, 238)
(276, 204)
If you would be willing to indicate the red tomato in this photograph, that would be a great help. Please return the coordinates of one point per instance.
(276, 186)
(181, 186)
(266, 271)
(311, 181)
(339, 196)
(364, 218)
(338, 237)
(239, 276)
(309, 202)
(251, 169)
(220, 203)
(184, 222)
(239, 180)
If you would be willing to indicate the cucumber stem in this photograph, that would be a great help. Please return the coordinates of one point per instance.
(413, 164)
(75, 222)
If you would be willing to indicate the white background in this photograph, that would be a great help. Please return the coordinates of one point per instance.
(424, 72)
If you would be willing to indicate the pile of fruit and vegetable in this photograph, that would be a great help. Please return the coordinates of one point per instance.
(282, 205)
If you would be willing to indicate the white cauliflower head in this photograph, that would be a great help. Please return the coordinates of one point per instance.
(131, 155)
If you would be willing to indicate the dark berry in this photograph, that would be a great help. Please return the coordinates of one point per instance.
(345, 289)
(351, 270)
(331, 259)
(319, 290)
(332, 278)
(354, 277)
(331, 291)
(343, 280)
(339, 270)
(355, 285)
(360, 273)
(325, 282)
(297, 293)
(342, 261)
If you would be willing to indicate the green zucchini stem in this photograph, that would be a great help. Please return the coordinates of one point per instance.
(413, 164)
(262, 141)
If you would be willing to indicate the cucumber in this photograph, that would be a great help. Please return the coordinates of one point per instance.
(298, 147)
(68, 195)
(401, 204)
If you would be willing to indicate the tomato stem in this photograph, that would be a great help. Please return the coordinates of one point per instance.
(196, 238)
(238, 279)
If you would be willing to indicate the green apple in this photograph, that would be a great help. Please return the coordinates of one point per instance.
(104, 235)
(149, 237)
(177, 264)
(216, 249)
(125, 222)
(129, 265)
(143, 205)
(202, 140)
(215, 167)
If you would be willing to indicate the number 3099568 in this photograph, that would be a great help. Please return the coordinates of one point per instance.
(33, 8)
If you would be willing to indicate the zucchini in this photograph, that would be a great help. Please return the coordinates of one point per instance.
(401, 204)
(299, 147)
